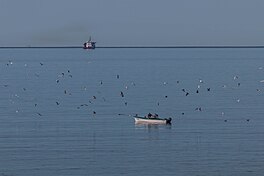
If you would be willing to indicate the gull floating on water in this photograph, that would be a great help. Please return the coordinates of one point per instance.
(39, 114)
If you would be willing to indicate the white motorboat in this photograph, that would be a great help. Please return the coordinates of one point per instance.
(152, 120)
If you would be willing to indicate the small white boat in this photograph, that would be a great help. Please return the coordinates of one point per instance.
(152, 120)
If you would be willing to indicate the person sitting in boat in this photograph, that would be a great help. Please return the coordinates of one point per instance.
(152, 116)
(155, 115)
(149, 115)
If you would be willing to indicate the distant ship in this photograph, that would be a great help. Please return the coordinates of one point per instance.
(89, 44)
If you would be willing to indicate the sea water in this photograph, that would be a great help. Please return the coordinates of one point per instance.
(60, 111)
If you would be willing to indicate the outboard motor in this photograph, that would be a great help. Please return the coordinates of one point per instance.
(168, 121)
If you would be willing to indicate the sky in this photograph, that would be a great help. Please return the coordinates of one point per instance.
(131, 22)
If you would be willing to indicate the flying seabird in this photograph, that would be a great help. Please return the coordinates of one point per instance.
(122, 94)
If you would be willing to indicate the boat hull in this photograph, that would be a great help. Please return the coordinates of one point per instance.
(88, 47)
(144, 120)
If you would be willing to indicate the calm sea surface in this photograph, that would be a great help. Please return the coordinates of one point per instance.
(59, 112)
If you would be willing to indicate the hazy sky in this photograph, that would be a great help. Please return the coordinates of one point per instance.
(131, 22)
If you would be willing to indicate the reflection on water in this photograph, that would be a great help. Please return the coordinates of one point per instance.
(152, 127)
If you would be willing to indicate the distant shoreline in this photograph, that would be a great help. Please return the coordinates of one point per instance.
(36, 47)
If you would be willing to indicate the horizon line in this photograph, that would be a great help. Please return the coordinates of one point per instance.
(176, 46)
